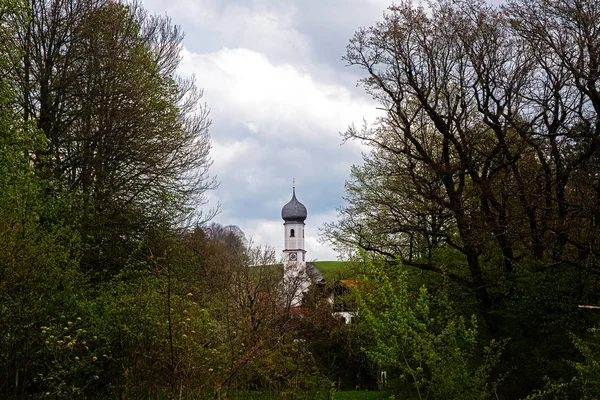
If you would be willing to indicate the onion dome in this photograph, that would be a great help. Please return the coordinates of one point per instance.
(293, 211)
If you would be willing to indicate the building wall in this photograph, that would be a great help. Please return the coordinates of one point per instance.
(296, 242)
(296, 281)
(295, 278)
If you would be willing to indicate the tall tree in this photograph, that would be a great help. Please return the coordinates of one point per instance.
(38, 259)
(484, 130)
(126, 135)
(484, 165)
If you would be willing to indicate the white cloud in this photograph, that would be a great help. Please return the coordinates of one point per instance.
(265, 26)
(231, 151)
(270, 99)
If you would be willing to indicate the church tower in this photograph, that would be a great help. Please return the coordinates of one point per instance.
(295, 277)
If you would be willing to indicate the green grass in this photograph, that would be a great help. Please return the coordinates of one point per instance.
(269, 395)
(360, 395)
(344, 395)
(332, 270)
(335, 270)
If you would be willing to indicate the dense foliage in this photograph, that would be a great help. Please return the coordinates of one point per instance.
(476, 215)
(482, 177)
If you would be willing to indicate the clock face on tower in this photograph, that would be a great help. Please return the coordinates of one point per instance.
(293, 256)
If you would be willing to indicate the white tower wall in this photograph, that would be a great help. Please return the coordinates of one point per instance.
(295, 278)
(295, 242)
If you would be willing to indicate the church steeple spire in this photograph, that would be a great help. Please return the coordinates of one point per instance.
(293, 187)
(293, 211)
(295, 276)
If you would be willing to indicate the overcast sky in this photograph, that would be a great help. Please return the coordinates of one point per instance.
(279, 96)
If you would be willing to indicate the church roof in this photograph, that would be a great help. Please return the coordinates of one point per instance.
(293, 211)
(314, 274)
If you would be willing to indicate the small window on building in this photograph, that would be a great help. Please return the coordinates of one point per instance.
(292, 234)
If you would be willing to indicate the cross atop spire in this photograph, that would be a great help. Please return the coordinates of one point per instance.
(294, 185)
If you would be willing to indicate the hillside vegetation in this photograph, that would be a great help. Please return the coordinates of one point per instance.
(334, 270)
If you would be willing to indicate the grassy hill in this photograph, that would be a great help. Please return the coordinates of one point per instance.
(332, 270)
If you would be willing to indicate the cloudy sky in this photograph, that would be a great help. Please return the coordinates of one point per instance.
(279, 96)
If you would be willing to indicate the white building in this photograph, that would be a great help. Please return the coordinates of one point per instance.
(298, 274)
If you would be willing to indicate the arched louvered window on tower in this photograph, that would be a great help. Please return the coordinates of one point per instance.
(292, 233)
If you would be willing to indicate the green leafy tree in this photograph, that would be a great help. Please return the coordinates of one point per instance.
(100, 146)
(425, 351)
(483, 166)
(126, 137)
(38, 255)
(469, 143)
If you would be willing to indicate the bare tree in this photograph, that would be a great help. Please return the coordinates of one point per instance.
(489, 142)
